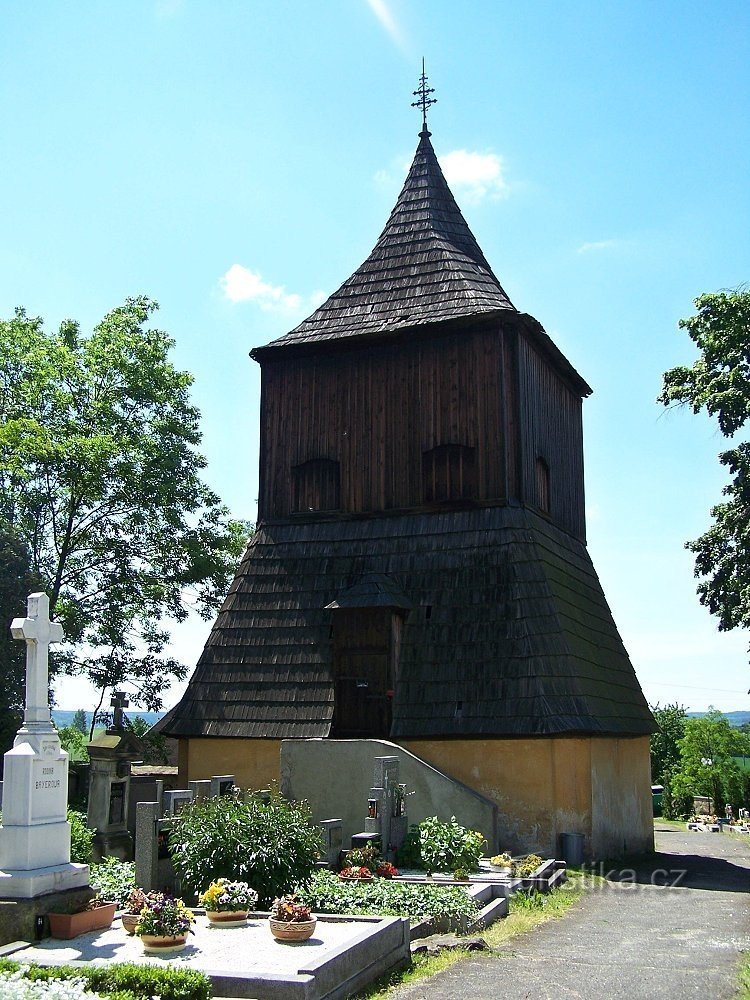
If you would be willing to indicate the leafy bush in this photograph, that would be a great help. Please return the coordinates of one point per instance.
(74, 741)
(113, 880)
(141, 982)
(443, 847)
(328, 894)
(81, 838)
(269, 843)
(525, 867)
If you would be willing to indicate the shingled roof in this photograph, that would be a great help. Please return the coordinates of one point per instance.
(426, 268)
(519, 640)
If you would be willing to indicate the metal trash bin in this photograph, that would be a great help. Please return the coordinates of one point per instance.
(571, 848)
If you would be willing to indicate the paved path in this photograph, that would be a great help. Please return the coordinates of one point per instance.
(630, 938)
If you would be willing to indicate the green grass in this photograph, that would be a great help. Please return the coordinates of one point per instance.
(744, 977)
(526, 913)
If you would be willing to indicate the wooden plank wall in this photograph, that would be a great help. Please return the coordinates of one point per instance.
(376, 411)
(551, 428)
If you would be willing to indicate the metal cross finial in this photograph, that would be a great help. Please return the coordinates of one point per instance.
(425, 101)
(119, 702)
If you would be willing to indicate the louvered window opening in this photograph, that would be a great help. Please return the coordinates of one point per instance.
(316, 486)
(449, 472)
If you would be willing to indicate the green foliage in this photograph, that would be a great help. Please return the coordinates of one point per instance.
(73, 740)
(100, 480)
(526, 867)
(326, 893)
(270, 844)
(154, 745)
(113, 880)
(81, 838)
(719, 383)
(80, 722)
(441, 846)
(665, 742)
(142, 982)
(17, 581)
(706, 760)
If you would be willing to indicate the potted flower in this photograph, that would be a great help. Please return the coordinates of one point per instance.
(97, 915)
(227, 903)
(164, 924)
(355, 873)
(386, 870)
(291, 920)
(131, 911)
(502, 863)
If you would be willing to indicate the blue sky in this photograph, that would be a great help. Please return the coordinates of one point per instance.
(236, 161)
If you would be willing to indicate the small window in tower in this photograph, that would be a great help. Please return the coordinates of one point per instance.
(449, 473)
(316, 485)
(542, 485)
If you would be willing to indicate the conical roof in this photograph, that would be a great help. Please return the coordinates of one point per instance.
(426, 267)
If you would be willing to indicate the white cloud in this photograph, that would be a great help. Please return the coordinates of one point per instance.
(168, 8)
(598, 245)
(240, 284)
(475, 175)
(387, 21)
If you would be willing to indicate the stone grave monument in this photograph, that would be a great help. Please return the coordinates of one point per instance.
(386, 807)
(35, 833)
(111, 755)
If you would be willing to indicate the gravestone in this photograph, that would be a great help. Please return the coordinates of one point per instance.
(386, 807)
(35, 834)
(111, 755)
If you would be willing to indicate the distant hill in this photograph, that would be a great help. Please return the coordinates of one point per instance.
(735, 718)
(63, 718)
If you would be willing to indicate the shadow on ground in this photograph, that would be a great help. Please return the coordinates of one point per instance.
(684, 871)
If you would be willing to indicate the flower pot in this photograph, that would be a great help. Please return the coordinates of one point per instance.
(226, 918)
(356, 878)
(129, 922)
(291, 930)
(70, 925)
(154, 945)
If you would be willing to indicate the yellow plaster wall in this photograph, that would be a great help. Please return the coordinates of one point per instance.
(622, 813)
(599, 787)
(254, 763)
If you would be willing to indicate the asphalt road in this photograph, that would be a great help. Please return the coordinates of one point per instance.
(671, 928)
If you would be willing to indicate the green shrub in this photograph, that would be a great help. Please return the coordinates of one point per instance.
(125, 980)
(81, 838)
(269, 843)
(438, 846)
(326, 893)
(113, 880)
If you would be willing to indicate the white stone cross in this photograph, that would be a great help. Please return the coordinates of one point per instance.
(39, 632)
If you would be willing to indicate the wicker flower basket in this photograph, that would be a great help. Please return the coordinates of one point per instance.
(292, 930)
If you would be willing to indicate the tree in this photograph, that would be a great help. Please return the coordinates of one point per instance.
(719, 383)
(707, 766)
(79, 722)
(16, 582)
(665, 742)
(100, 480)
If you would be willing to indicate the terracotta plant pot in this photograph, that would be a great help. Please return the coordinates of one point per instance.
(226, 918)
(291, 930)
(70, 925)
(129, 922)
(154, 945)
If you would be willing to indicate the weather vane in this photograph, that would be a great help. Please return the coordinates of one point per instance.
(425, 101)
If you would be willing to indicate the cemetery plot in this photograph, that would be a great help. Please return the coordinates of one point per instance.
(344, 955)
